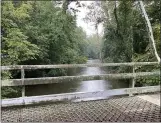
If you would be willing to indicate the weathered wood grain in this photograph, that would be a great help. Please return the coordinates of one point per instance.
(13, 67)
(76, 96)
(49, 80)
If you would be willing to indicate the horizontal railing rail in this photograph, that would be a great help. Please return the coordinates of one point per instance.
(57, 97)
(50, 80)
(78, 96)
(14, 67)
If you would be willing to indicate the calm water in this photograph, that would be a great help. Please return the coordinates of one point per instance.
(79, 86)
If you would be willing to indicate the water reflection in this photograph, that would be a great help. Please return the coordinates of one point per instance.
(93, 85)
(79, 86)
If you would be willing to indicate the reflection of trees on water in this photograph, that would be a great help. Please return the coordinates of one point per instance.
(75, 86)
(119, 83)
(56, 88)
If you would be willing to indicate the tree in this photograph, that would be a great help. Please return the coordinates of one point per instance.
(150, 32)
(126, 36)
(39, 32)
(95, 15)
(117, 42)
(15, 45)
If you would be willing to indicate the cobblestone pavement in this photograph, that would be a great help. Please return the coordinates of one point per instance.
(118, 109)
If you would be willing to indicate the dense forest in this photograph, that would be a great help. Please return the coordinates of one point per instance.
(45, 32)
(39, 32)
(126, 29)
(126, 34)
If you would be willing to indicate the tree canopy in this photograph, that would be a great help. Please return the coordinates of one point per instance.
(46, 32)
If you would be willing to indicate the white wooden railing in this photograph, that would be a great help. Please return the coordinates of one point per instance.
(78, 95)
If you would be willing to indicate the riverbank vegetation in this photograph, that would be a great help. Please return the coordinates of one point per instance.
(45, 32)
(126, 36)
(40, 32)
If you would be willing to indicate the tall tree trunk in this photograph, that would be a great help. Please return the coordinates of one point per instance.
(150, 32)
(65, 5)
(106, 9)
(99, 42)
(99, 45)
(115, 14)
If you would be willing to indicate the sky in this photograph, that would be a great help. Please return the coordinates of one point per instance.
(87, 27)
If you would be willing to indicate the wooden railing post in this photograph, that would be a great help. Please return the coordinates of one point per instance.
(133, 79)
(22, 78)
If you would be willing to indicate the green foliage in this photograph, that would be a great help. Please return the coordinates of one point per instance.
(152, 81)
(10, 92)
(125, 36)
(39, 32)
(93, 46)
(15, 47)
(55, 33)
(118, 38)
(81, 59)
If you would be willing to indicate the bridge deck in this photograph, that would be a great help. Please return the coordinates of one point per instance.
(115, 109)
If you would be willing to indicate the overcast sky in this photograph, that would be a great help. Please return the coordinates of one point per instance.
(88, 28)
